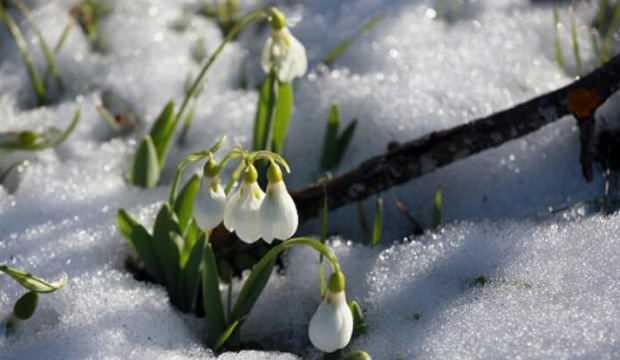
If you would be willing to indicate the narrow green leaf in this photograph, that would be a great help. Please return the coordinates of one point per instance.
(50, 56)
(26, 305)
(330, 140)
(193, 232)
(37, 84)
(345, 140)
(282, 116)
(212, 298)
(575, 42)
(377, 228)
(438, 208)
(162, 132)
(324, 233)
(358, 355)
(359, 325)
(64, 36)
(32, 282)
(191, 274)
(264, 113)
(336, 52)
(225, 335)
(145, 170)
(252, 289)
(184, 203)
(142, 242)
(559, 53)
(167, 248)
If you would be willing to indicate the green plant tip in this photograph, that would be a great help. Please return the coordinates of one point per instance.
(211, 169)
(358, 355)
(277, 19)
(337, 282)
(27, 137)
(251, 174)
(274, 174)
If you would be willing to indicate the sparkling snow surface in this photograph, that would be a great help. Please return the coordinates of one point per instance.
(551, 282)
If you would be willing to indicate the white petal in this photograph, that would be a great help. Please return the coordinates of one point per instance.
(279, 218)
(331, 326)
(243, 213)
(266, 61)
(210, 207)
(230, 209)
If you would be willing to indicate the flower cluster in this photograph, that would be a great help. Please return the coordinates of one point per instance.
(248, 211)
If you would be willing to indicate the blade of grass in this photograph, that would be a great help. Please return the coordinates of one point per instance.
(336, 52)
(377, 228)
(37, 85)
(559, 53)
(50, 56)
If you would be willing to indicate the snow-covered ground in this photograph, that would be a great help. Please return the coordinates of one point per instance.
(553, 280)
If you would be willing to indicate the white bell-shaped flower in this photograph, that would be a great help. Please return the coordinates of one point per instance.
(241, 213)
(331, 326)
(278, 213)
(212, 201)
(283, 53)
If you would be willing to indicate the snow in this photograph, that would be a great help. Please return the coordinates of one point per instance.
(552, 278)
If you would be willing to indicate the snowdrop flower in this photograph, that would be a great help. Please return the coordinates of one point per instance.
(241, 213)
(283, 53)
(278, 214)
(331, 326)
(211, 207)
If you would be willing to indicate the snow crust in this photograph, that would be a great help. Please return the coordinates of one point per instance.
(552, 281)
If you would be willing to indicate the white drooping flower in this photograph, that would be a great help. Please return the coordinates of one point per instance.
(283, 53)
(331, 326)
(212, 198)
(212, 201)
(241, 213)
(278, 213)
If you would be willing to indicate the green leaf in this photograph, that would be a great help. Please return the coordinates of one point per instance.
(37, 84)
(336, 52)
(282, 116)
(345, 140)
(225, 336)
(50, 56)
(32, 282)
(192, 233)
(328, 156)
(575, 42)
(437, 208)
(264, 112)
(145, 170)
(377, 228)
(212, 298)
(558, 52)
(191, 274)
(26, 305)
(142, 242)
(184, 203)
(359, 325)
(167, 247)
(162, 132)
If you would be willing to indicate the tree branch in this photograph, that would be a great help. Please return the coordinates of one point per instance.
(421, 156)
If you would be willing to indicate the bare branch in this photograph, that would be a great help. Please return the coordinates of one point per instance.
(421, 156)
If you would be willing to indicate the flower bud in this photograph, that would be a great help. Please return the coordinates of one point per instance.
(331, 326)
(278, 213)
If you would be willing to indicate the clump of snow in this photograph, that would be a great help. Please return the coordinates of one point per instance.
(551, 285)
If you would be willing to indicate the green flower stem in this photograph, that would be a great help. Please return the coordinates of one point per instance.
(249, 18)
(323, 249)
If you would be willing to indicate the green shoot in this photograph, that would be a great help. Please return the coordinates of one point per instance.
(336, 52)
